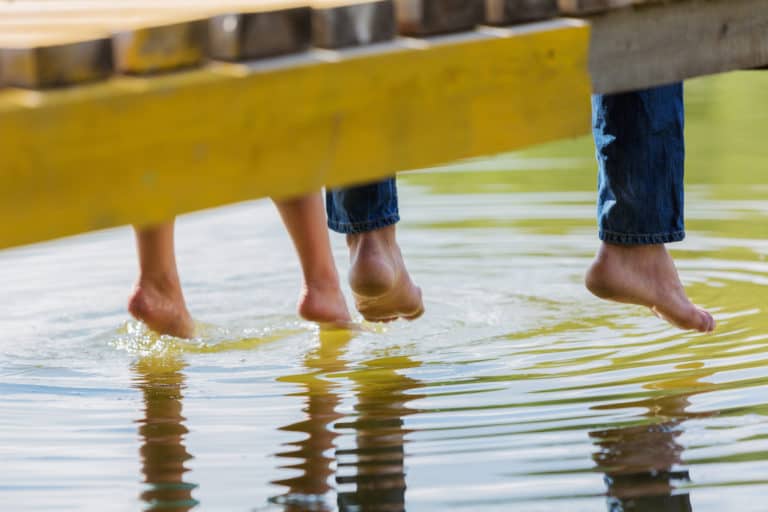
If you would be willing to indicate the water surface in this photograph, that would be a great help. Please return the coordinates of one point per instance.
(517, 391)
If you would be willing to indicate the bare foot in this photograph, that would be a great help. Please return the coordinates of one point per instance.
(159, 303)
(380, 282)
(645, 275)
(324, 303)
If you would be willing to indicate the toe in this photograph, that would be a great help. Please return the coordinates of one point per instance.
(685, 316)
(701, 321)
(709, 320)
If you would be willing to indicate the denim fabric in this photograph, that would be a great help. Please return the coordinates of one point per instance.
(362, 208)
(640, 154)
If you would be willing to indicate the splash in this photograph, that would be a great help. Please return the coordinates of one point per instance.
(137, 339)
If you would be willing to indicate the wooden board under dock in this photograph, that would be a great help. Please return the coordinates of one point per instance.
(138, 150)
(654, 42)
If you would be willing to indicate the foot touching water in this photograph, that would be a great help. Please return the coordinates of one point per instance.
(645, 275)
(381, 285)
(159, 303)
(324, 303)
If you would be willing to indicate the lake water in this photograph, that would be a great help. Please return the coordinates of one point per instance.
(516, 391)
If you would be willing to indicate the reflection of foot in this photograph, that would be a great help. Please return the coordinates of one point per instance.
(160, 304)
(380, 282)
(324, 304)
(645, 275)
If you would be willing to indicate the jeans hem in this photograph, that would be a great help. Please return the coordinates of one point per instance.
(363, 227)
(612, 237)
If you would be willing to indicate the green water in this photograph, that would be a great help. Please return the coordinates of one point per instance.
(517, 391)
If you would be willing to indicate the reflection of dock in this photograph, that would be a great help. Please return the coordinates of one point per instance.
(191, 104)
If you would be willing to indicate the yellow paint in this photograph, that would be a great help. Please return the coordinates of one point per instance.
(140, 150)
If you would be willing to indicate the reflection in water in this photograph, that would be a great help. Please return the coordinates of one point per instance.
(371, 476)
(162, 431)
(640, 461)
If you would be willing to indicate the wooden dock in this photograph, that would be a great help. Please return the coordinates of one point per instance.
(131, 111)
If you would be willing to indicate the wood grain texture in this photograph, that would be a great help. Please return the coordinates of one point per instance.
(660, 43)
(507, 12)
(427, 17)
(140, 150)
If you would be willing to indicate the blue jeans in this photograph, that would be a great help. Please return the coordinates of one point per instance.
(640, 154)
(640, 151)
(362, 208)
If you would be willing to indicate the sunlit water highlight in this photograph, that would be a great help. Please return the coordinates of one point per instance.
(517, 391)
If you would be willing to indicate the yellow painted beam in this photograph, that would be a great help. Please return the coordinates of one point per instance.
(140, 150)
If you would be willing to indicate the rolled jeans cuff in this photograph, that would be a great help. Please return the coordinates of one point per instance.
(611, 237)
(363, 227)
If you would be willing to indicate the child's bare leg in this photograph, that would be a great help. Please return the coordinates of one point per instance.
(157, 299)
(321, 298)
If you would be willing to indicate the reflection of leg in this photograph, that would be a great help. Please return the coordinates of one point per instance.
(157, 299)
(367, 214)
(641, 461)
(374, 479)
(311, 454)
(162, 431)
(640, 152)
(321, 297)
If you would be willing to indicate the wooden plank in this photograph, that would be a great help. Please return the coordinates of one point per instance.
(508, 12)
(146, 37)
(143, 43)
(253, 35)
(53, 60)
(343, 24)
(659, 43)
(49, 55)
(139, 150)
(154, 48)
(427, 17)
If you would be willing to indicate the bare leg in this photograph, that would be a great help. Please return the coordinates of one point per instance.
(380, 282)
(321, 298)
(157, 299)
(645, 275)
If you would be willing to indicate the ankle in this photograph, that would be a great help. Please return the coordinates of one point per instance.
(323, 302)
(323, 285)
(381, 237)
(165, 283)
